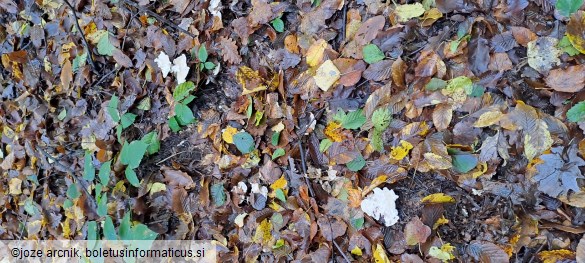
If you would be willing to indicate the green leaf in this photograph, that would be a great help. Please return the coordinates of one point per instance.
(279, 152)
(79, 61)
(88, 170)
(435, 84)
(258, 117)
(127, 119)
(92, 230)
(209, 65)
(250, 109)
(280, 195)
(62, 114)
(109, 229)
(464, 163)
(461, 82)
(30, 208)
(217, 194)
(376, 140)
(113, 108)
(353, 120)
(372, 54)
(278, 24)
(151, 139)
(184, 114)
(566, 46)
(244, 142)
(202, 54)
(477, 91)
(142, 232)
(131, 177)
(188, 99)
(381, 119)
(104, 47)
(102, 209)
(174, 125)
(183, 90)
(104, 173)
(568, 7)
(72, 191)
(356, 164)
(357, 223)
(144, 104)
(324, 145)
(132, 153)
(577, 112)
(119, 133)
(125, 228)
(275, 138)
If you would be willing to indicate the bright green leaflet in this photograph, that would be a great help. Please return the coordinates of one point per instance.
(132, 153)
(113, 108)
(183, 90)
(127, 120)
(88, 170)
(72, 191)
(372, 54)
(324, 145)
(104, 47)
(568, 7)
(277, 153)
(104, 173)
(275, 138)
(109, 230)
(356, 164)
(352, 120)
(184, 114)
(151, 139)
(174, 125)
(381, 119)
(280, 195)
(132, 177)
(577, 112)
(202, 53)
(278, 24)
(435, 84)
(102, 209)
(125, 228)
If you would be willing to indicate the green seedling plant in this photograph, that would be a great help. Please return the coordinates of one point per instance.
(202, 55)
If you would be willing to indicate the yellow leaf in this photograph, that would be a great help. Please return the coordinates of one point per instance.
(575, 31)
(333, 131)
(380, 255)
(278, 127)
(316, 52)
(228, 134)
(553, 256)
(441, 221)
(239, 220)
(537, 142)
(263, 232)
(444, 253)
(438, 198)
(327, 75)
(400, 151)
(488, 118)
(279, 184)
(15, 186)
(433, 13)
(357, 251)
(406, 12)
(377, 181)
(482, 168)
(438, 162)
(157, 187)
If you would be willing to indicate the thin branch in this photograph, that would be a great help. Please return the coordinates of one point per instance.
(158, 17)
(87, 49)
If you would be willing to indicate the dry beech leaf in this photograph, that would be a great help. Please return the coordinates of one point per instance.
(442, 116)
(327, 75)
(416, 232)
(369, 30)
(571, 79)
(229, 50)
(523, 35)
(66, 75)
(379, 71)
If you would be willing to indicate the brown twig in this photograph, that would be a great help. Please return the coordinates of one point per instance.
(87, 49)
(158, 17)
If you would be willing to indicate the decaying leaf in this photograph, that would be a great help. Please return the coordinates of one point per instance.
(543, 54)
